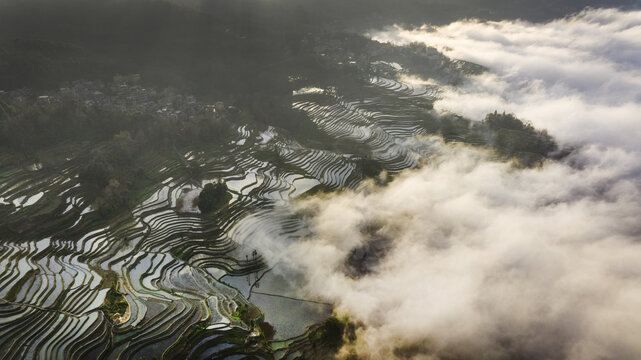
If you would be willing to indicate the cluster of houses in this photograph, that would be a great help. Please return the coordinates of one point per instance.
(124, 93)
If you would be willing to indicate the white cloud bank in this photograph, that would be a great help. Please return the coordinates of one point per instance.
(578, 77)
(486, 261)
(489, 262)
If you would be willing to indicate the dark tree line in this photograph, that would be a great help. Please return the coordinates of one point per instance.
(508, 135)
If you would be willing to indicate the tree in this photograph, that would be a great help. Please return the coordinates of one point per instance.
(369, 167)
(95, 176)
(513, 136)
(213, 197)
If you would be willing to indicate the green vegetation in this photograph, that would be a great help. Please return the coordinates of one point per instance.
(115, 304)
(513, 136)
(213, 197)
(324, 340)
(369, 167)
(329, 334)
(109, 175)
(242, 314)
(248, 314)
(509, 136)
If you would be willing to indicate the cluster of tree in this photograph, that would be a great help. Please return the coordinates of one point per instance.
(115, 171)
(369, 167)
(111, 173)
(513, 136)
(115, 303)
(507, 134)
(425, 61)
(213, 196)
(329, 333)
(324, 340)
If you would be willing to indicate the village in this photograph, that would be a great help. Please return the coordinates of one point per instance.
(123, 93)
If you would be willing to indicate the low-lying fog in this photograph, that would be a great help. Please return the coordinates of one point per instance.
(483, 260)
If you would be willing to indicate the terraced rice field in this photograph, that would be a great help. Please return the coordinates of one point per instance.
(177, 269)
